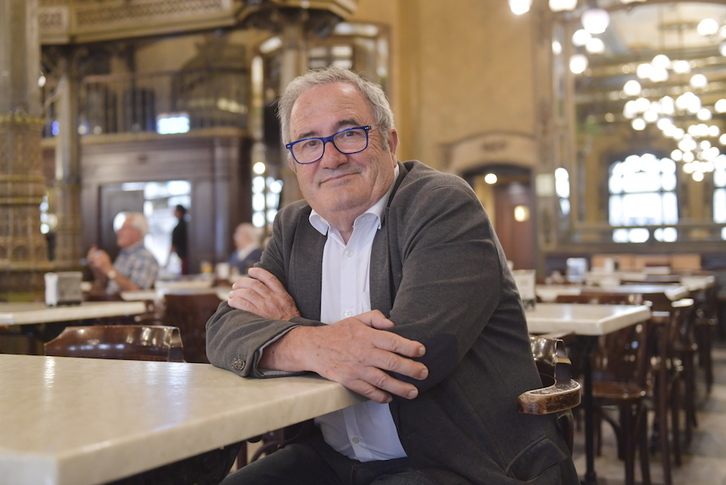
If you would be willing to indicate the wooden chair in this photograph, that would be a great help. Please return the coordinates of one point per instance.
(154, 343)
(706, 329)
(560, 393)
(129, 342)
(189, 312)
(622, 378)
(674, 369)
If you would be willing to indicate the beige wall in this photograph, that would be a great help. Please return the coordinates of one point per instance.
(460, 68)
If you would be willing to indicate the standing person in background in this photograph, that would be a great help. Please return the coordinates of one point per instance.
(247, 248)
(179, 239)
(389, 279)
(135, 267)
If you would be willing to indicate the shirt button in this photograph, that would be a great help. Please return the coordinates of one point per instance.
(356, 440)
(348, 314)
(348, 253)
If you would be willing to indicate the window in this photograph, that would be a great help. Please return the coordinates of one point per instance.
(719, 193)
(642, 193)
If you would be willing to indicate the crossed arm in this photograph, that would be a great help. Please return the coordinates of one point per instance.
(356, 352)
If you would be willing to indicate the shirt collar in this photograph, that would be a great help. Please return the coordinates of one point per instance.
(322, 226)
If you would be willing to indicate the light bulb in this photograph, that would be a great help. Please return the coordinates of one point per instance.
(632, 88)
(562, 5)
(707, 27)
(595, 20)
(578, 63)
(520, 7)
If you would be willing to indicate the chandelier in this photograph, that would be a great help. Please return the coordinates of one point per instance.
(674, 94)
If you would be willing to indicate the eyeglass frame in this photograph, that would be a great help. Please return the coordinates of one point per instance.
(330, 139)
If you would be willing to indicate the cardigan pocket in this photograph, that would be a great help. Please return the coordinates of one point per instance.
(535, 459)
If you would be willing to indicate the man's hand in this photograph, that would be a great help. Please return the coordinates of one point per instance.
(356, 352)
(263, 295)
(99, 259)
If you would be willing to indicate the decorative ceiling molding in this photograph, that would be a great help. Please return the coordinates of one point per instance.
(88, 21)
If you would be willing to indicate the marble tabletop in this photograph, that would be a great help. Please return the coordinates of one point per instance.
(583, 318)
(72, 421)
(24, 313)
(549, 293)
(158, 294)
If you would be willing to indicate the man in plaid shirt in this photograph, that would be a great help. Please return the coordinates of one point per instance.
(135, 267)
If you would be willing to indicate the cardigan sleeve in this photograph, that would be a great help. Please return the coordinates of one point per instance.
(450, 276)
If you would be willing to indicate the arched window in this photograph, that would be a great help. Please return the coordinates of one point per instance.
(719, 193)
(642, 193)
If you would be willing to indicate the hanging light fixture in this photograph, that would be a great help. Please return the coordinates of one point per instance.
(519, 7)
(595, 20)
(578, 63)
(562, 5)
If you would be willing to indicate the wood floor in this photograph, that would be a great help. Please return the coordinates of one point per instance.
(704, 460)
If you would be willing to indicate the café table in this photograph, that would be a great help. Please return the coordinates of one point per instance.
(672, 292)
(73, 421)
(28, 313)
(588, 322)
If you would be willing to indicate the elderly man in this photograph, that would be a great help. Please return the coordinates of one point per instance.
(247, 248)
(135, 267)
(389, 279)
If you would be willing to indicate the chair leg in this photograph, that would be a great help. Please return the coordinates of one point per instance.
(705, 335)
(675, 422)
(242, 455)
(660, 424)
(689, 397)
(642, 427)
(628, 432)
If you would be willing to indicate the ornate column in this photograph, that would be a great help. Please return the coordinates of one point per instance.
(293, 62)
(66, 200)
(23, 251)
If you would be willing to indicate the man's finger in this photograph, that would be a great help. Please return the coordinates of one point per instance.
(267, 278)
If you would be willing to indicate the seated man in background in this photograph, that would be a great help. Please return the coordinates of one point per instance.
(247, 248)
(389, 279)
(135, 267)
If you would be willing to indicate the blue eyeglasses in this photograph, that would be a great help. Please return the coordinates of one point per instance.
(347, 142)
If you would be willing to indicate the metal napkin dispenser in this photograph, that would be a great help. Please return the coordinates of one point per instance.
(63, 288)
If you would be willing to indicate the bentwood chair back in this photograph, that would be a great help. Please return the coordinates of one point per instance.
(560, 393)
(190, 312)
(622, 377)
(128, 342)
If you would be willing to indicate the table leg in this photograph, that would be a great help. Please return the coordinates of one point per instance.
(587, 345)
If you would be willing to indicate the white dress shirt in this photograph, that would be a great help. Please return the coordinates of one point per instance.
(366, 431)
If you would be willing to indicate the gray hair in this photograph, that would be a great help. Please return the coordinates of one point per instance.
(373, 94)
(138, 221)
(250, 230)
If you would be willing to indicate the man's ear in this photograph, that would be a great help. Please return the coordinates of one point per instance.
(393, 141)
(291, 164)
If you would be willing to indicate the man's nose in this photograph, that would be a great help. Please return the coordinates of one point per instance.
(332, 157)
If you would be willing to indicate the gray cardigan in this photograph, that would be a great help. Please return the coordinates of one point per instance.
(439, 273)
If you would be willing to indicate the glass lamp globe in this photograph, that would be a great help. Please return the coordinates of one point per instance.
(578, 63)
(707, 27)
(698, 81)
(632, 88)
(595, 20)
(519, 7)
(562, 5)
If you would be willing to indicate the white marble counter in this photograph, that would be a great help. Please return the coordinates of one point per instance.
(36, 312)
(69, 421)
(583, 318)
